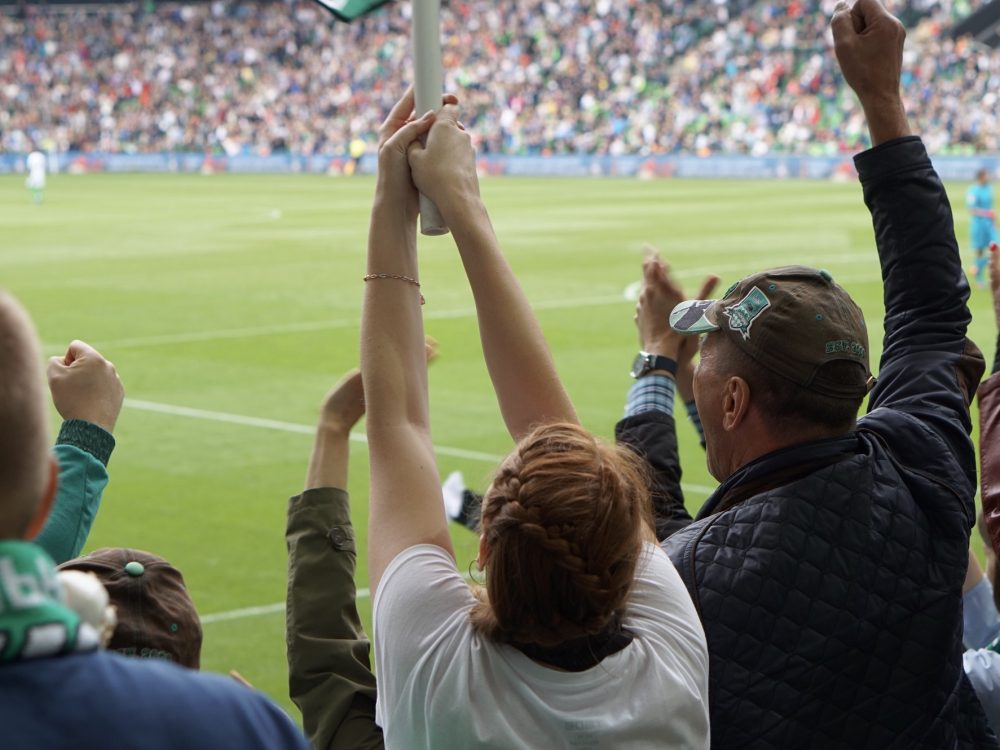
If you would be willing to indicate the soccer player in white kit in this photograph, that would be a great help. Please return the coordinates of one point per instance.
(36, 175)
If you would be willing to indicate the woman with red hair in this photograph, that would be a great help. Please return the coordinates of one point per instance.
(584, 634)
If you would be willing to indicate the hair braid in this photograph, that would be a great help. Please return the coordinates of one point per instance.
(561, 522)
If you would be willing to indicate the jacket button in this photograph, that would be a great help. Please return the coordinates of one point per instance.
(340, 538)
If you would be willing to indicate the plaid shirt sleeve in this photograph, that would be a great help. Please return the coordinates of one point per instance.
(651, 393)
(692, 410)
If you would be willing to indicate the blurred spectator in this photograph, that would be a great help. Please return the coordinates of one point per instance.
(989, 420)
(982, 223)
(981, 627)
(982, 623)
(36, 176)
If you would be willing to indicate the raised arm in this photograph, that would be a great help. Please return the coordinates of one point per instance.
(868, 42)
(88, 395)
(329, 666)
(405, 503)
(518, 358)
(928, 367)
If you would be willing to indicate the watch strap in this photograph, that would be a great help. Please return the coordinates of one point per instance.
(645, 363)
(659, 362)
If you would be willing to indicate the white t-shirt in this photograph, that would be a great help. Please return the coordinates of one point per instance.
(36, 170)
(441, 685)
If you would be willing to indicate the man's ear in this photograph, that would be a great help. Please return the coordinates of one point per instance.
(48, 499)
(736, 403)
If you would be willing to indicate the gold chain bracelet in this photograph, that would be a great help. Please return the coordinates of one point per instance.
(407, 279)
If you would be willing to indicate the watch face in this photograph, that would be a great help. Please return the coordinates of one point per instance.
(640, 364)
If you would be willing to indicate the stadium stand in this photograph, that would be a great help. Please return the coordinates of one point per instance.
(544, 77)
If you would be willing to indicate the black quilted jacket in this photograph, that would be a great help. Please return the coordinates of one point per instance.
(830, 587)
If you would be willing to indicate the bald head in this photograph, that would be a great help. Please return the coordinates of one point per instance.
(24, 453)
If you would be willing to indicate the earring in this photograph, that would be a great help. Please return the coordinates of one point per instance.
(472, 577)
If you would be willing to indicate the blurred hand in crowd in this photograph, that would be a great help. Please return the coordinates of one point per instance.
(86, 386)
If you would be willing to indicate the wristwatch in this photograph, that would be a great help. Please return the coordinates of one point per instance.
(645, 363)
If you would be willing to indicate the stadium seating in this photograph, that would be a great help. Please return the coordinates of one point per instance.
(543, 76)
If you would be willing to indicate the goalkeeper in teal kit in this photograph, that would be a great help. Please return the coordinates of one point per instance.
(982, 227)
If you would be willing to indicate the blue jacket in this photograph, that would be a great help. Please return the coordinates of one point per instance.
(829, 575)
(99, 700)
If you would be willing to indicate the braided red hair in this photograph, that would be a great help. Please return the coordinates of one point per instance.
(562, 522)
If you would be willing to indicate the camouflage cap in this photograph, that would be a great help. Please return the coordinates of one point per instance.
(791, 320)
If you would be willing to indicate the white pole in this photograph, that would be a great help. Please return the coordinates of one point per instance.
(428, 87)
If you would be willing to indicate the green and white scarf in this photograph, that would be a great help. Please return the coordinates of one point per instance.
(34, 620)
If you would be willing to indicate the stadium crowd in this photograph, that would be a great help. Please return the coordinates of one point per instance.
(539, 76)
(823, 596)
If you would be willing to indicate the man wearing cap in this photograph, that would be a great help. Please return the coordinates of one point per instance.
(57, 689)
(828, 566)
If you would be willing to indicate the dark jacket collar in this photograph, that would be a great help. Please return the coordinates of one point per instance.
(776, 469)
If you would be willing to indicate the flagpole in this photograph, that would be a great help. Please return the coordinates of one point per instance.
(428, 88)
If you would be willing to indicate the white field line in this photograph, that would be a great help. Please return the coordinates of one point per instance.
(631, 291)
(274, 424)
(240, 614)
(227, 333)
(301, 429)
(271, 609)
(191, 337)
(262, 610)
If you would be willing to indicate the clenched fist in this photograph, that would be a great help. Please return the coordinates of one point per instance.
(86, 386)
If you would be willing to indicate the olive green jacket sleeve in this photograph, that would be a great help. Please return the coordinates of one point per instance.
(329, 668)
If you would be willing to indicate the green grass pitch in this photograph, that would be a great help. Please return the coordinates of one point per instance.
(239, 295)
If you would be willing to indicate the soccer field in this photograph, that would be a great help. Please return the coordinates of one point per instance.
(230, 304)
